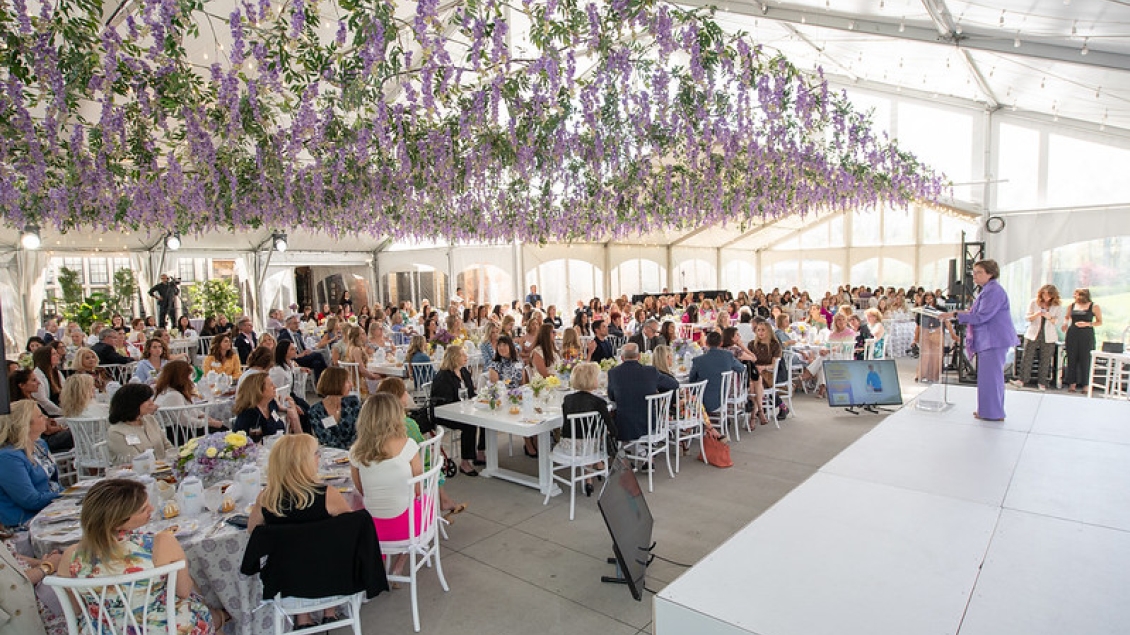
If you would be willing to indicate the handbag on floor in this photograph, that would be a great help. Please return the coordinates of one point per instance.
(717, 452)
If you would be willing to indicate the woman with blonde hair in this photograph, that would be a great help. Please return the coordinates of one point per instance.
(395, 387)
(507, 326)
(878, 331)
(356, 352)
(663, 359)
(382, 461)
(112, 513)
(453, 377)
(29, 478)
(294, 494)
(571, 348)
(77, 398)
(86, 361)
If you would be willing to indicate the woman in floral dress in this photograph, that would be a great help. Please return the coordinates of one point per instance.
(112, 513)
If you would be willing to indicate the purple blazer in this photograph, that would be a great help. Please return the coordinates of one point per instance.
(990, 319)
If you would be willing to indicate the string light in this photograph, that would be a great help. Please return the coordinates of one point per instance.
(902, 25)
(1085, 49)
(1016, 42)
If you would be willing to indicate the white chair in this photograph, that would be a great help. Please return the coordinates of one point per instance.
(299, 380)
(687, 424)
(784, 385)
(68, 472)
(287, 608)
(684, 331)
(422, 376)
(657, 439)
(872, 344)
(354, 370)
(105, 604)
(586, 449)
(185, 422)
(724, 412)
(737, 402)
(89, 433)
(430, 456)
(617, 342)
(423, 542)
(121, 373)
(769, 397)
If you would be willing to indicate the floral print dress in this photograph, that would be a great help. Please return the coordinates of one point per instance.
(193, 617)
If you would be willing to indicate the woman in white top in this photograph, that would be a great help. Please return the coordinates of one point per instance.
(46, 362)
(77, 398)
(382, 461)
(1044, 315)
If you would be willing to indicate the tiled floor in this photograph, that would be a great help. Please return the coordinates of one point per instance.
(516, 566)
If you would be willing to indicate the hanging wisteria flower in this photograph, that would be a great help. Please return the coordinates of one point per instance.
(343, 118)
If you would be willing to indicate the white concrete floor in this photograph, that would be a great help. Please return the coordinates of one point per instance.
(517, 567)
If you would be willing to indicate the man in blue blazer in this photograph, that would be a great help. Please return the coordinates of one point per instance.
(307, 358)
(629, 385)
(710, 366)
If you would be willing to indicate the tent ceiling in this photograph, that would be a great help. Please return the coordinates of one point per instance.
(959, 49)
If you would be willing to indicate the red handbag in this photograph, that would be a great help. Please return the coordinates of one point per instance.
(717, 452)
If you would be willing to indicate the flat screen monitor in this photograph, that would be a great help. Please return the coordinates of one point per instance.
(856, 383)
(629, 522)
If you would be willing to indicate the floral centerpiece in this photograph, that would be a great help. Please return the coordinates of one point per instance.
(514, 394)
(684, 346)
(441, 338)
(565, 368)
(645, 359)
(215, 457)
(492, 395)
(541, 384)
(608, 363)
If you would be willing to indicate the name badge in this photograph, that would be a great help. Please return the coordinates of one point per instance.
(133, 439)
(329, 422)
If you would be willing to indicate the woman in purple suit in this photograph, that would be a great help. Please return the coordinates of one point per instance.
(989, 335)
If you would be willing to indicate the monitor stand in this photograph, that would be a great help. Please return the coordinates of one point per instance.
(615, 579)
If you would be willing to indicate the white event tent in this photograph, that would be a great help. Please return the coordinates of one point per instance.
(1024, 106)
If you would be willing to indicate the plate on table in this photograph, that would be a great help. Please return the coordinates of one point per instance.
(61, 513)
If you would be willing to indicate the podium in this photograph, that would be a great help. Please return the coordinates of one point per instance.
(931, 405)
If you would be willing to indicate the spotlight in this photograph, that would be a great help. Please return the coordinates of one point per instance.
(30, 237)
(172, 241)
(279, 240)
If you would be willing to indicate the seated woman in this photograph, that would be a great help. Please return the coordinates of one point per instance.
(45, 361)
(356, 352)
(77, 398)
(543, 356)
(878, 332)
(174, 388)
(451, 378)
(133, 429)
(767, 353)
(24, 384)
(112, 513)
(490, 339)
(505, 367)
(333, 420)
(259, 360)
(582, 323)
(841, 335)
(382, 461)
(528, 341)
(29, 478)
(153, 357)
(395, 387)
(571, 348)
(184, 327)
(86, 362)
(584, 379)
(816, 318)
(258, 414)
(222, 357)
(294, 494)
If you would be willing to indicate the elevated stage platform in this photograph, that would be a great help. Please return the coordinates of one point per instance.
(936, 523)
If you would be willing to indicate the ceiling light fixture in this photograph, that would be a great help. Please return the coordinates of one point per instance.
(172, 241)
(29, 239)
(279, 240)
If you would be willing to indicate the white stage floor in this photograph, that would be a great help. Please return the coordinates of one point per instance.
(937, 523)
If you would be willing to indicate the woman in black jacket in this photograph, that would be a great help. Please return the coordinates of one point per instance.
(452, 376)
(584, 379)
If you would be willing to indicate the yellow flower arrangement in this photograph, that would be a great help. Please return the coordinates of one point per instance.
(236, 439)
(211, 453)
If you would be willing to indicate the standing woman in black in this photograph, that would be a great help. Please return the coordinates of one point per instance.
(453, 376)
(1082, 318)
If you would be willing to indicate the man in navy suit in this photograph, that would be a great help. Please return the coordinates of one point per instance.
(245, 340)
(307, 357)
(629, 385)
(710, 366)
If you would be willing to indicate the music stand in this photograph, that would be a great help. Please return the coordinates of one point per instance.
(929, 405)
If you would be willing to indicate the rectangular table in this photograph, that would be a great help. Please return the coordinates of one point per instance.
(495, 421)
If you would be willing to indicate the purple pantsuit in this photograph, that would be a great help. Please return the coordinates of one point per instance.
(992, 334)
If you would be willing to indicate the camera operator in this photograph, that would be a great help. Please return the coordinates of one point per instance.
(166, 293)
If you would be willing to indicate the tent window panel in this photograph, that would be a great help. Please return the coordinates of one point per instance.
(1016, 278)
(816, 275)
(898, 227)
(897, 273)
(867, 273)
(186, 270)
(941, 138)
(836, 232)
(865, 225)
(1098, 265)
(783, 274)
(952, 227)
(1085, 173)
(584, 280)
(697, 274)
(1018, 167)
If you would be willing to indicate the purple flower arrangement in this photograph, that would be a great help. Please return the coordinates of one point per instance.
(215, 457)
(670, 122)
